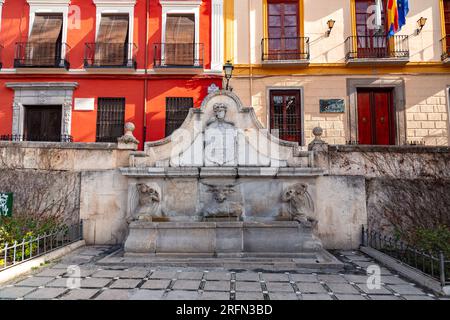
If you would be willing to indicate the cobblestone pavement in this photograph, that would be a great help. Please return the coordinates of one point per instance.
(138, 283)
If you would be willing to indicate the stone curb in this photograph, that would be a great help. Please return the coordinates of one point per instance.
(404, 270)
(23, 268)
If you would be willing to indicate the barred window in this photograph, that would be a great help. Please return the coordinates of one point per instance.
(110, 119)
(177, 110)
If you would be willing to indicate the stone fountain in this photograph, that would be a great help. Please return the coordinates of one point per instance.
(223, 186)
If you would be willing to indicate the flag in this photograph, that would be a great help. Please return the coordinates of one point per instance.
(403, 10)
(392, 18)
(378, 15)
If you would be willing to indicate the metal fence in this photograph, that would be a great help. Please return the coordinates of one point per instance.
(110, 55)
(285, 49)
(178, 55)
(36, 138)
(42, 55)
(377, 47)
(435, 265)
(29, 248)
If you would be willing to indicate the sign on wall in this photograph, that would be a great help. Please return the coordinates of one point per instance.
(84, 104)
(332, 106)
(6, 204)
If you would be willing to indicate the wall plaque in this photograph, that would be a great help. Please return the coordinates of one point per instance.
(332, 106)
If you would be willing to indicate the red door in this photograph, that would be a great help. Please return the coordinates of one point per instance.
(376, 119)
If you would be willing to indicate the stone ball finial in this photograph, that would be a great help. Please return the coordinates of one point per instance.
(128, 140)
(129, 127)
(318, 132)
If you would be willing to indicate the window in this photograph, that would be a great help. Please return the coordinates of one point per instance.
(285, 114)
(446, 40)
(110, 119)
(111, 48)
(370, 42)
(177, 109)
(180, 40)
(283, 29)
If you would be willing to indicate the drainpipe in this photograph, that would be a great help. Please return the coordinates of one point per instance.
(147, 16)
(250, 52)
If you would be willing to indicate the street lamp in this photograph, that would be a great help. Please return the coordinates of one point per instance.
(228, 70)
(420, 24)
(330, 24)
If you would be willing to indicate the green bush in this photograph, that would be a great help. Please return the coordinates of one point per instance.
(433, 240)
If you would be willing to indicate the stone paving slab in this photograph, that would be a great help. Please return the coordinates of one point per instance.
(106, 274)
(279, 287)
(217, 286)
(147, 295)
(406, 289)
(212, 295)
(190, 275)
(114, 294)
(182, 295)
(125, 284)
(311, 288)
(224, 276)
(248, 286)
(383, 297)
(15, 292)
(134, 274)
(331, 278)
(163, 275)
(342, 288)
(79, 294)
(380, 291)
(50, 273)
(304, 277)
(417, 298)
(349, 297)
(186, 285)
(156, 284)
(316, 297)
(35, 281)
(45, 293)
(95, 282)
(283, 296)
(393, 280)
(58, 283)
(275, 277)
(247, 276)
(249, 296)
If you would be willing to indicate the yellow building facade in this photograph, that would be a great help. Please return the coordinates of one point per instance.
(308, 63)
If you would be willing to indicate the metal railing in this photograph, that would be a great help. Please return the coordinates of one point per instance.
(36, 138)
(41, 55)
(377, 47)
(445, 44)
(285, 49)
(435, 265)
(178, 55)
(110, 55)
(33, 247)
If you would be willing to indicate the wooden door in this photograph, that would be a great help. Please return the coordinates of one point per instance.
(376, 117)
(370, 43)
(43, 123)
(285, 114)
(283, 24)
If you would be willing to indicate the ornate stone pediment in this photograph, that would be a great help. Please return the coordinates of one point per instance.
(222, 133)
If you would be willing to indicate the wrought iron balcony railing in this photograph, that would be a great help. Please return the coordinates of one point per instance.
(285, 49)
(36, 138)
(110, 55)
(41, 55)
(445, 44)
(377, 47)
(178, 55)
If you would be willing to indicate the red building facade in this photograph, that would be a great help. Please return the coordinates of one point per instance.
(83, 68)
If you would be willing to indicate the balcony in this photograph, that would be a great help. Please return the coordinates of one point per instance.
(377, 50)
(185, 56)
(41, 55)
(110, 55)
(445, 44)
(36, 138)
(285, 51)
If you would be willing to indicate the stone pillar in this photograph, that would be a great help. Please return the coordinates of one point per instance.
(319, 149)
(217, 36)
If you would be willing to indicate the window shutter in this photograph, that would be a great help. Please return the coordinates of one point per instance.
(111, 46)
(43, 44)
(180, 40)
